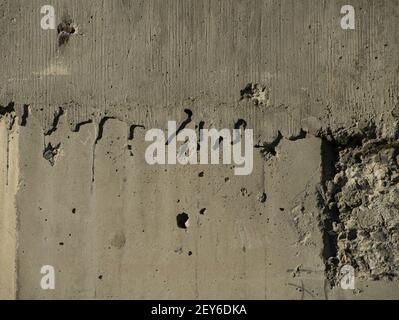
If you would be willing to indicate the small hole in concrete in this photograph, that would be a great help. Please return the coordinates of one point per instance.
(262, 197)
(203, 211)
(182, 220)
(352, 234)
(65, 29)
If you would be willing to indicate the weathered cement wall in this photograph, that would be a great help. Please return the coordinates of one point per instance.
(77, 194)
(9, 175)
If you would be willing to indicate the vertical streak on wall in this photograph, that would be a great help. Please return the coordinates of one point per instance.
(8, 212)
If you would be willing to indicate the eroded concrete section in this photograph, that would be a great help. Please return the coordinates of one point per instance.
(77, 194)
(361, 203)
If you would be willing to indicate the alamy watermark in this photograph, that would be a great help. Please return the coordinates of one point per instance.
(47, 282)
(204, 149)
(47, 22)
(48, 19)
(348, 20)
(347, 276)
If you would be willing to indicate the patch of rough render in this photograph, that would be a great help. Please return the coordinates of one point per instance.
(65, 29)
(51, 153)
(257, 93)
(359, 198)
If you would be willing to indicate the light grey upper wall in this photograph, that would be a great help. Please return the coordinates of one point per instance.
(144, 60)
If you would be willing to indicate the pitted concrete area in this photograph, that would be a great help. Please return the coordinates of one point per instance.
(76, 192)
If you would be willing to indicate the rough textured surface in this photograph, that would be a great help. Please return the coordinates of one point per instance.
(76, 192)
(362, 204)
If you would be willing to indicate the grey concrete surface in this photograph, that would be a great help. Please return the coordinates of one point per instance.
(106, 220)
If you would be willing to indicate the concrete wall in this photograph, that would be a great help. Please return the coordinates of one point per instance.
(9, 175)
(77, 194)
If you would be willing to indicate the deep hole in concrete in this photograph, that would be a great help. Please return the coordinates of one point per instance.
(182, 219)
(262, 197)
(329, 156)
(25, 115)
(50, 152)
